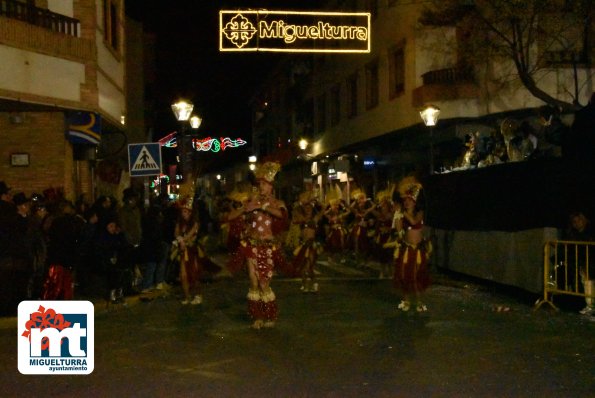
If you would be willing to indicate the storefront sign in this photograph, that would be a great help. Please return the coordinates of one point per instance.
(83, 127)
(291, 31)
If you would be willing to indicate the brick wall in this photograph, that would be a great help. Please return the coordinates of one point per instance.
(41, 135)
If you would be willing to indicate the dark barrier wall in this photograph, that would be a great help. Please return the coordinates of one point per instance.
(510, 197)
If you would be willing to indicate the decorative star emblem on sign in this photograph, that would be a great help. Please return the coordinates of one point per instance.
(239, 30)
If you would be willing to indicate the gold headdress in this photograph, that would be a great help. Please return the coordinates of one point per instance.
(409, 187)
(334, 195)
(238, 195)
(305, 197)
(186, 194)
(186, 203)
(357, 193)
(386, 194)
(267, 171)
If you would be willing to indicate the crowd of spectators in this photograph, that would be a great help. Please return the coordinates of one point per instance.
(51, 248)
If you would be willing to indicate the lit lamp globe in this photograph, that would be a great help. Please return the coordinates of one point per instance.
(195, 122)
(430, 115)
(303, 144)
(182, 110)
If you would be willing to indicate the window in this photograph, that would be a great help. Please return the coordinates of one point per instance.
(352, 96)
(335, 105)
(371, 85)
(321, 113)
(396, 72)
(111, 24)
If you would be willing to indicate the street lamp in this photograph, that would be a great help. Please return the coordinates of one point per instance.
(252, 162)
(182, 110)
(429, 114)
(303, 144)
(195, 122)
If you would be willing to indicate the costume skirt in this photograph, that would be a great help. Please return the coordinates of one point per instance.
(411, 267)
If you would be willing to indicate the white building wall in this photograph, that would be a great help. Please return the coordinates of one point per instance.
(111, 99)
(111, 72)
(64, 7)
(33, 73)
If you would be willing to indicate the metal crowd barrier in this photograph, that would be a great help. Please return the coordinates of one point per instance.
(566, 271)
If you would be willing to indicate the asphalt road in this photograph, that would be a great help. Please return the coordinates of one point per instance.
(348, 340)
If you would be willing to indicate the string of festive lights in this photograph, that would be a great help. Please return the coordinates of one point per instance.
(215, 145)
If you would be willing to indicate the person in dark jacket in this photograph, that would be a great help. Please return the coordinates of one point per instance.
(150, 250)
(114, 254)
(63, 250)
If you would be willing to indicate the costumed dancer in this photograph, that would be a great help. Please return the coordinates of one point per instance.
(412, 276)
(384, 214)
(335, 215)
(306, 254)
(266, 217)
(235, 219)
(189, 252)
(294, 234)
(361, 208)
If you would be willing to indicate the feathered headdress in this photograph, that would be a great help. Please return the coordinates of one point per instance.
(334, 195)
(186, 194)
(305, 197)
(386, 194)
(186, 203)
(409, 187)
(238, 195)
(267, 171)
(357, 193)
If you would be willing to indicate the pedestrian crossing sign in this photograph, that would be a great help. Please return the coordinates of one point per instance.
(144, 159)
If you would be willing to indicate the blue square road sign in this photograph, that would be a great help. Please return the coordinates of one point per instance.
(144, 159)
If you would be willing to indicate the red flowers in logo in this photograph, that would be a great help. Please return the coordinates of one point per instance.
(43, 319)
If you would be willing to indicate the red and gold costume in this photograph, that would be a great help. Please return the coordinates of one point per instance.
(335, 237)
(412, 275)
(306, 254)
(359, 241)
(412, 251)
(189, 256)
(265, 218)
(59, 284)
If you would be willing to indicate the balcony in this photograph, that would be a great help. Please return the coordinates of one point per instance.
(446, 84)
(39, 17)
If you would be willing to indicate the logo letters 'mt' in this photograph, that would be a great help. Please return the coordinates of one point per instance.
(55, 337)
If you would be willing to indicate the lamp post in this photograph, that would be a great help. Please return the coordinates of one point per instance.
(429, 114)
(182, 110)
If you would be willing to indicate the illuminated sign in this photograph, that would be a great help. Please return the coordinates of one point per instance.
(293, 31)
(169, 141)
(215, 145)
(369, 164)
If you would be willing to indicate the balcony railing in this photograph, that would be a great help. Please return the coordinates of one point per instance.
(39, 17)
(448, 76)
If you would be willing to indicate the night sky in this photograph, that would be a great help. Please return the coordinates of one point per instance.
(190, 66)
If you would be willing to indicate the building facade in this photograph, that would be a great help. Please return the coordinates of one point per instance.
(360, 112)
(62, 94)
